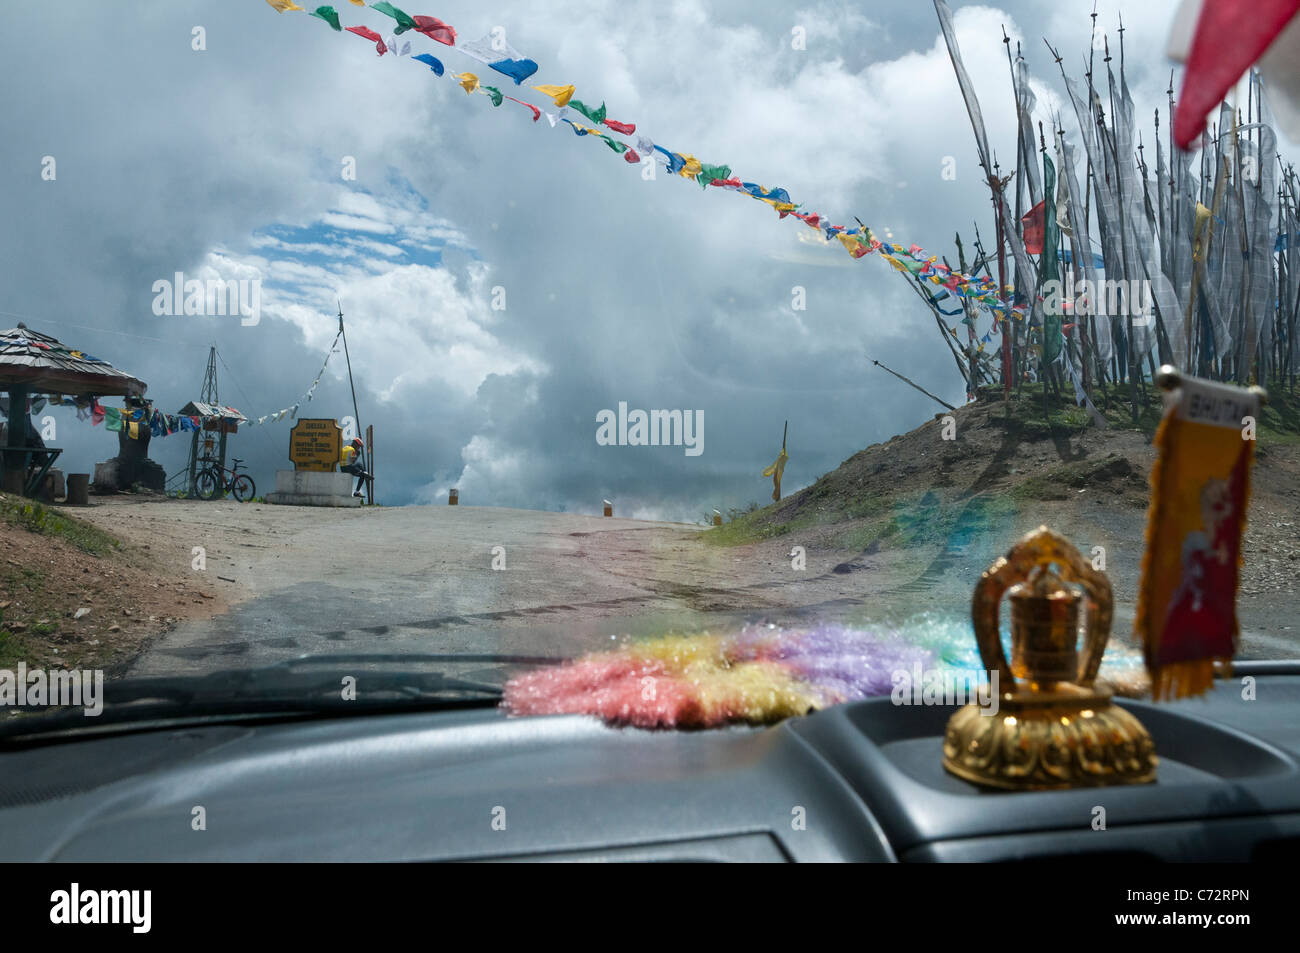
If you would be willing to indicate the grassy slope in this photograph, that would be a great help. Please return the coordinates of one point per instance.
(902, 492)
(28, 581)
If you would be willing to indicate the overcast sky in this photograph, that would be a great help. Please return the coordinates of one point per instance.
(227, 162)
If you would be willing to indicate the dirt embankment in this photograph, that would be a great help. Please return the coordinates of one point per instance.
(74, 596)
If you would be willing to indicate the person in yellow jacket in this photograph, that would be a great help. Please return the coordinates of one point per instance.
(354, 462)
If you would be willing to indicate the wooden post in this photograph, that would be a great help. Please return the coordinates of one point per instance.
(16, 433)
(1004, 316)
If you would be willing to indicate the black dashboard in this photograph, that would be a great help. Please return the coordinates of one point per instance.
(859, 782)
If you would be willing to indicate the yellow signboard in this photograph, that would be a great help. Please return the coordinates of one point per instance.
(314, 444)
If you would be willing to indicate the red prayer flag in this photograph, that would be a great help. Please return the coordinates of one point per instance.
(630, 156)
(1033, 225)
(370, 34)
(537, 113)
(435, 29)
(1230, 36)
(626, 128)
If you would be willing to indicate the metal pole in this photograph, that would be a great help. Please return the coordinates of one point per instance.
(356, 416)
(913, 384)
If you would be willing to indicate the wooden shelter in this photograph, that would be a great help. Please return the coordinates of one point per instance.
(214, 419)
(35, 363)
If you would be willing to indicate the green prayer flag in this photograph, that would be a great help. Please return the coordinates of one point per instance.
(404, 22)
(1048, 269)
(329, 15)
(614, 144)
(710, 172)
(497, 97)
(595, 115)
(112, 419)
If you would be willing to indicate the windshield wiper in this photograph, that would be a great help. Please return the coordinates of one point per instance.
(384, 682)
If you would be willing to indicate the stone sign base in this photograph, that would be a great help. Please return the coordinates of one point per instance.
(313, 488)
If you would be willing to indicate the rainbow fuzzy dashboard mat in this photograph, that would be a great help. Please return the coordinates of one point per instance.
(760, 674)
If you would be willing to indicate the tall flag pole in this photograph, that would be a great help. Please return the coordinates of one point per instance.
(356, 416)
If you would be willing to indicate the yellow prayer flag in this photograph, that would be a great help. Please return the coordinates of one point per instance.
(560, 94)
(691, 167)
(468, 80)
(283, 6)
(850, 242)
(1198, 230)
(775, 471)
(1200, 487)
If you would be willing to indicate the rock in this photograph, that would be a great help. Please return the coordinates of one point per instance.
(16, 626)
(81, 613)
(106, 477)
(115, 628)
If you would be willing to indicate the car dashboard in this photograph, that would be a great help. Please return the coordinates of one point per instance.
(856, 782)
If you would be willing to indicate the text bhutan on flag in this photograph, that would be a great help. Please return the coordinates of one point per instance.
(655, 428)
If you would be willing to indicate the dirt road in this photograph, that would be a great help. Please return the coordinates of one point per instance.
(304, 580)
(421, 579)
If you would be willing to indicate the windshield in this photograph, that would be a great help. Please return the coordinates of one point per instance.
(682, 367)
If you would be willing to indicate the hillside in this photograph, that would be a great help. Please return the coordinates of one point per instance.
(919, 516)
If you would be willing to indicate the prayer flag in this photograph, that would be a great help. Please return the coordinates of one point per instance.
(404, 22)
(595, 115)
(434, 63)
(560, 94)
(329, 16)
(708, 173)
(501, 56)
(1229, 36)
(433, 28)
(370, 34)
(1033, 226)
(1200, 485)
(776, 471)
(537, 113)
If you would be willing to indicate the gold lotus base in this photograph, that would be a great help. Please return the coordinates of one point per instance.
(1069, 737)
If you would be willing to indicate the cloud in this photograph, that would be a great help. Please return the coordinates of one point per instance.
(230, 162)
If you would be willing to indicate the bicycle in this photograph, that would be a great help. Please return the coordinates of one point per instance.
(212, 480)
